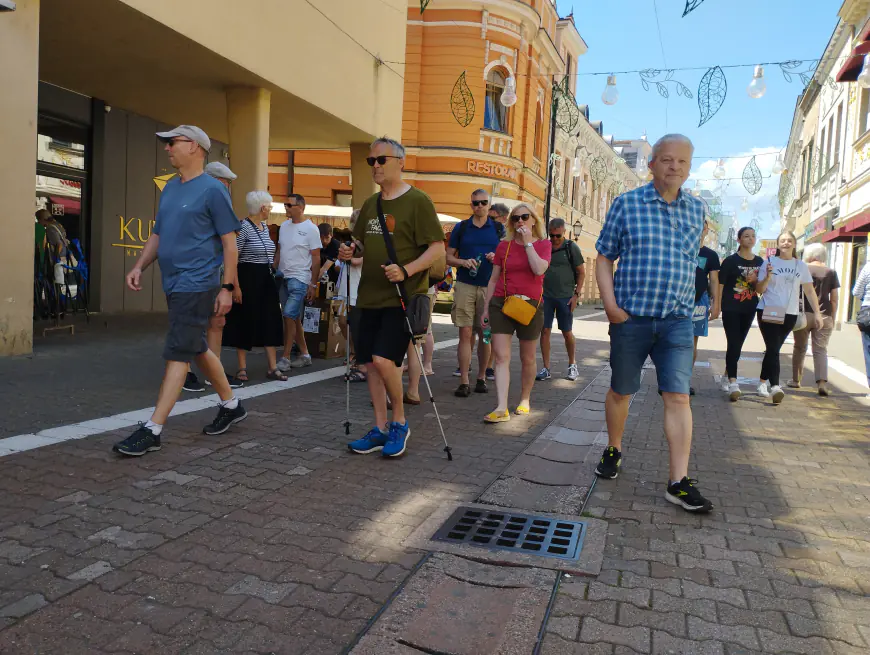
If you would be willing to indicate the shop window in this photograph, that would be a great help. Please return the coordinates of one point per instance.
(342, 198)
(837, 133)
(864, 112)
(495, 114)
(539, 131)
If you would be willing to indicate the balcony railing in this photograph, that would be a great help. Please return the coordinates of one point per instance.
(497, 143)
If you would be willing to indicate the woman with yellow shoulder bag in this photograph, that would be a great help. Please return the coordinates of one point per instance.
(513, 304)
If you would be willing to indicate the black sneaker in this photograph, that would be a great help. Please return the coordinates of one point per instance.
(481, 387)
(686, 494)
(234, 382)
(192, 383)
(463, 391)
(609, 465)
(691, 391)
(140, 442)
(224, 419)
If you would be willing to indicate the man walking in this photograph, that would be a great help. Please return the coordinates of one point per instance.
(216, 323)
(706, 287)
(195, 225)
(562, 285)
(471, 250)
(298, 258)
(654, 231)
(380, 333)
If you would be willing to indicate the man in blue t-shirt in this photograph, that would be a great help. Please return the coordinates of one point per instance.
(194, 234)
(471, 250)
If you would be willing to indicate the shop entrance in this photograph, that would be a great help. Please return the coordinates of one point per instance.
(61, 255)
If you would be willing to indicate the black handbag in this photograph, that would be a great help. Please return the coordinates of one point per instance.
(277, 279)
(863, 319)
(416, 307)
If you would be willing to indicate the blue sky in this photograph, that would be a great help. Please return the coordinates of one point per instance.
(622, 35)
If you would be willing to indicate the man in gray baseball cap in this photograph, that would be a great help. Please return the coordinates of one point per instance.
(221, 173)
(190, 132)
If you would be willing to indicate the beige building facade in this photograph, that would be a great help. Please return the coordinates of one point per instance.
(93, 80)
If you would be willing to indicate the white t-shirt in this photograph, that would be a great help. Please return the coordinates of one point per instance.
(784, 288)
(296, 241)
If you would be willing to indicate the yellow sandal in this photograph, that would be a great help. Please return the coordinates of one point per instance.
(495, 417)
(523, 410)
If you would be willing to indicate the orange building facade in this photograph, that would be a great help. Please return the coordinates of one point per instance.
(500, 149)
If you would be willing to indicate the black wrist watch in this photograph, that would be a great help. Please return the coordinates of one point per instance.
(229, 287)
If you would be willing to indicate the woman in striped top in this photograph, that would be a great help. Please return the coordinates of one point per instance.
(255, 319)
(861, 292)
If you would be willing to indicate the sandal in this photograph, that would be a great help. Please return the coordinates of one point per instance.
(276, 375)
(522, 410)
(356, 375)
(497, 417)
(410, 401)
(242, 375)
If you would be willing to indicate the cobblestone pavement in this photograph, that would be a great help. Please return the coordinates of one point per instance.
(781, 566)
(270, 538)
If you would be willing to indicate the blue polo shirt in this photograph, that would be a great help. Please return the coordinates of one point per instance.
(471, 241)
(191, 218)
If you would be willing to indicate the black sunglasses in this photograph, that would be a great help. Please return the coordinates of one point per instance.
(480, 203)
(380, 160)
(520, 217)
(556, 236)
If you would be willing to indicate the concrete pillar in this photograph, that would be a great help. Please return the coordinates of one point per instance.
(361, 174)
(19, 77)
(248, 123)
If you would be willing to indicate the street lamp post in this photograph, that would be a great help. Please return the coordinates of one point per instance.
(577, 228)
(554, 109)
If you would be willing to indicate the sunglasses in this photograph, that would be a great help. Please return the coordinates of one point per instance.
(520, 217)
(480, 203)
(172, 142)
(287, 205)
(556, 236)
(380, 160)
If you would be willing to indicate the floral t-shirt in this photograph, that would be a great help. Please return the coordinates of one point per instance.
(738, 295)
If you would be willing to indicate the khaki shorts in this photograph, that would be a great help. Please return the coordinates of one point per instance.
(467, 305)
(501, 324)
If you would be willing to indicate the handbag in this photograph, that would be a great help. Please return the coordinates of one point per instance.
(417, 307)
(278, 280)
(863, 319)
(776, 313)
(515, 307)
(801, 322)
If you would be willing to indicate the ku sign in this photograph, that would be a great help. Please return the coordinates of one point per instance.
(489, 168)
(133, 233)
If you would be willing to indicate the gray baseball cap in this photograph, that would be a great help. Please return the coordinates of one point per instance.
(221, 172)
(191, 132)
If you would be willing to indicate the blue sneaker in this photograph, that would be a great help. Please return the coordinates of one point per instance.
(373, 441)
(397, 440)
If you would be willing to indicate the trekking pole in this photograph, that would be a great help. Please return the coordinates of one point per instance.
(447, 448)
(347, 266)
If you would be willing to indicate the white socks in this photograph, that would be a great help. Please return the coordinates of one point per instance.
(154, 427)
(232, 403)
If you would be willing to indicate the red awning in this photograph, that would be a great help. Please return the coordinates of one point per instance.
(850, 70)
(842, 234)
(70, 205)
(861, 223)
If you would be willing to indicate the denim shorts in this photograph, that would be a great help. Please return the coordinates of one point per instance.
(701, 317)
(562, 310)
(668, 341)
(295, 303)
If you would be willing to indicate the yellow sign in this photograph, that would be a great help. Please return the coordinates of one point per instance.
(161, 180)
(489, 168)
(135, 232)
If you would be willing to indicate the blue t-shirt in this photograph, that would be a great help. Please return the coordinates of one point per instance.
(471, 241)
(191, 218)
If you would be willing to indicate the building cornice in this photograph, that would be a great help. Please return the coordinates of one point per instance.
(854, 12)
(514, 9)
(570, 33)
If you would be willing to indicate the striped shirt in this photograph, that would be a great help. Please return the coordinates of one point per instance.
(657, 244)
(255, 246)
(862, 286)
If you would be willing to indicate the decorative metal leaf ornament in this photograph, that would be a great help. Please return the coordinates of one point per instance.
(786, 191)
(711, 93)
(649, 76)
(568, 113)
(462, 102)
(691, 5)
(786, 67)
(598, 170)
(616, 188)
(752, 177)
(425, 3)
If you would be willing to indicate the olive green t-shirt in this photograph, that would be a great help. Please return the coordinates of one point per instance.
(413, 224)
(559, 280)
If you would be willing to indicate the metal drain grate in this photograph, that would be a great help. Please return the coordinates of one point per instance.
(522, 533)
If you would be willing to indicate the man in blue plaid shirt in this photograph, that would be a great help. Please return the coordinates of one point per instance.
(654, 232)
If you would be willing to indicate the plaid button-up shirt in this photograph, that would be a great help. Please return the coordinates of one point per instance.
(656, 244)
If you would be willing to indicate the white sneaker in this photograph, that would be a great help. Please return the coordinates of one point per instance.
(301, 362)
(777, 394)
(284, 364)
(763, 390)
(573, 372)
(734, 392)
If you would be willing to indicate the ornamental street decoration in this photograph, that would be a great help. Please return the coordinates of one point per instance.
(752, 177)
(425, 3)
(598, 170)
(661, 79)
(616, 188)
(462, 102)
(691, 5)
(711, 93)
(567, 113)
(786, 191)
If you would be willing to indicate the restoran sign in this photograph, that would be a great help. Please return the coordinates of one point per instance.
(489, 168)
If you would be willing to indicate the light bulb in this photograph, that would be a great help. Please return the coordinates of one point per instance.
(757, 87)
(576, 170)
(864, 77)
(744, 206)
(509, 95)
(778, 166)
(611, 93)
(719, 172)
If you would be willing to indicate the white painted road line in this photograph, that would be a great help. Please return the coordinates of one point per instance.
(21, 442)
(592, 315)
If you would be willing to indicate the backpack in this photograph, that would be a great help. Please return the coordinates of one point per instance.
(569, 251)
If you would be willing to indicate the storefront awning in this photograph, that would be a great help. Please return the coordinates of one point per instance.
(70, 205)
(850, 70)
(855, 228)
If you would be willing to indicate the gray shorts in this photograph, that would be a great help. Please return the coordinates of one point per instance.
(189, 313)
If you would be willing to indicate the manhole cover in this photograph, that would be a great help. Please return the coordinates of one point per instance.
(523, 533)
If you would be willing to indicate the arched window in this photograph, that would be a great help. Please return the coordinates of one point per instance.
(496, 114)
(539, 131)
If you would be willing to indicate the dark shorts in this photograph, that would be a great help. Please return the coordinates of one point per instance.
(561, 308)
(380, 333)
(189, 314)
(667, 341)
(501, 324)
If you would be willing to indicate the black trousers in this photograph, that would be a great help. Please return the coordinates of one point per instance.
(774, 336)
(736, 326)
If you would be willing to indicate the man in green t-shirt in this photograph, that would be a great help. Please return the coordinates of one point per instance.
(380, 335)
(563, 283)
